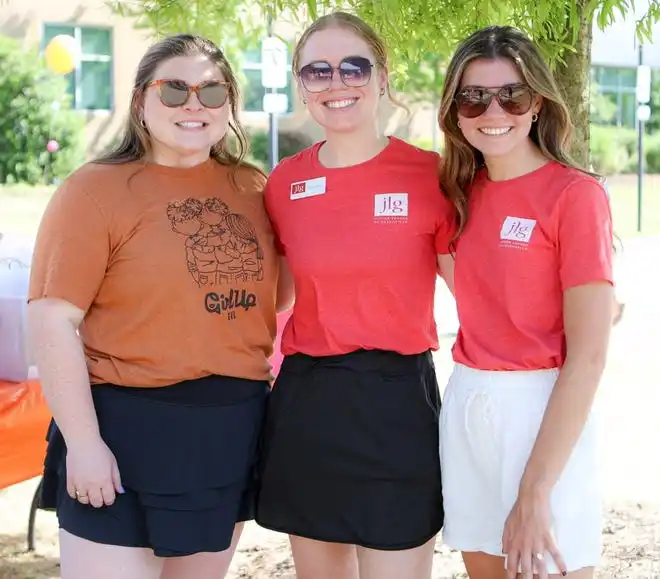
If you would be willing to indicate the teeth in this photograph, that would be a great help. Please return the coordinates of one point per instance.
(502, 131)
(191, 124)
(340, 104)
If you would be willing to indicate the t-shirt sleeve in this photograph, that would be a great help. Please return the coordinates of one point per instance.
(271, 209)
(446, 226)
(72, 248)
(585, 236)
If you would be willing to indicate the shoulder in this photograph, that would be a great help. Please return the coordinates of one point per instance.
(87, 182)
(413, 157)
(571, 183)
(249, 179)
(294, 164)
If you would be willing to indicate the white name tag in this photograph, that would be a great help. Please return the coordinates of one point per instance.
(309, 188)
(517, 229)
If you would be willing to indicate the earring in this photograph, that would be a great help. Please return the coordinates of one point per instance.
(382, 92)
(535, 117)
(143, 124)
(459, 124)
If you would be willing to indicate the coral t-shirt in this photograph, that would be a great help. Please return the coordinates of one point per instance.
(362, 245)
(175, 269)
(527, 240)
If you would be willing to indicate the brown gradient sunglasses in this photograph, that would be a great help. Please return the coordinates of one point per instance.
(473, 101)
(173, 93)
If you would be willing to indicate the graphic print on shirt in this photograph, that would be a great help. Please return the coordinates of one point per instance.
(517, 232)
(221, 249)
(391, 208)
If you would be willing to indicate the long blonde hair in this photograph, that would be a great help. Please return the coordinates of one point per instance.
(551, 132)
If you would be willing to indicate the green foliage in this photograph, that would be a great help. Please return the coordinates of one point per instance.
(613, 150)
(289, 143)
(415, 28)
(602, 110)
(29, 119)
(234, 25)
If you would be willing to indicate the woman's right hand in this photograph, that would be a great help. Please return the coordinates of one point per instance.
(92, 473)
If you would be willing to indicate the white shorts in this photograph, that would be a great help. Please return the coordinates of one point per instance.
(488, 425)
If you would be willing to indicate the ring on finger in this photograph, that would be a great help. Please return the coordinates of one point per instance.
(539, 556)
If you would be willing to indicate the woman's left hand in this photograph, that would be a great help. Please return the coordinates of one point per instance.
(527, 539)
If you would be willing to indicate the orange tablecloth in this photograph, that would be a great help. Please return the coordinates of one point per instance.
(24, 420)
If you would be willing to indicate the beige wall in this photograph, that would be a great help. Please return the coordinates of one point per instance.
(24, 19)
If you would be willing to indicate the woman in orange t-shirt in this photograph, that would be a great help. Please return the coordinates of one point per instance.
(152, 315)
(534, 291)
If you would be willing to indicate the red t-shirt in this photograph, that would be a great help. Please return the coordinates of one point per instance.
(527, 240)
(361, 243)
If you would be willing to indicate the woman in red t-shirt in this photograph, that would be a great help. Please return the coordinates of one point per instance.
(534, 291)
(351, 468)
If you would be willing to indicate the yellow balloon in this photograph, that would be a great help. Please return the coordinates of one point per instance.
(61, 54)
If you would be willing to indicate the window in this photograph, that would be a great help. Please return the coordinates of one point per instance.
(617, 85)
(251, 89)
(90, 84)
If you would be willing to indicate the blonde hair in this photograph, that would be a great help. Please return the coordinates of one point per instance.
(551, 133)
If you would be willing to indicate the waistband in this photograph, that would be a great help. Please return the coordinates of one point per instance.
(505, 378)
(360, 360)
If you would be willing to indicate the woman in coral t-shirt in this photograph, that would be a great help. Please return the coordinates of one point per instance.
(534, 291)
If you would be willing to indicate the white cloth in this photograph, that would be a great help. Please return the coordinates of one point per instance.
(488, 425)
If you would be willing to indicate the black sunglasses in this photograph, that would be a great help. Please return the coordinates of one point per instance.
(175, 93)
(354, 72)
(473, 101)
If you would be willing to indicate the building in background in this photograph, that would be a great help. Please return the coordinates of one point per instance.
(615, 55)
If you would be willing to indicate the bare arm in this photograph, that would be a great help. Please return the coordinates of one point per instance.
(446, 270)
(58, 351)
(587, 324)
(285, 287)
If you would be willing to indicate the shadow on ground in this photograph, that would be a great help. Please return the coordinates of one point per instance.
(17, 563)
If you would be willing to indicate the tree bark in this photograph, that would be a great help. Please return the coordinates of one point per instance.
(573, 76)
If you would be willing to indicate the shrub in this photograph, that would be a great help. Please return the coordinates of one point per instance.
(289, 143)
(34, 110)
(613, 149)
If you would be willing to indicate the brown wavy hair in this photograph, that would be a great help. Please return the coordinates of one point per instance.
(136, 142)
(551, 133)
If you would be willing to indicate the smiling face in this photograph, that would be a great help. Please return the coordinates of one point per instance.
(337, 105)
(183, 135)
(500, 130)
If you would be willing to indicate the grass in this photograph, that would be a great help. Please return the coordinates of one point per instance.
(21, 207)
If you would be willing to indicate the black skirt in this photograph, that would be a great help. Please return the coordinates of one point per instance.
(350, 450)
(187, 457)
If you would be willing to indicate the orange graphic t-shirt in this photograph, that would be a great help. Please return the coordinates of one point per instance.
(175, 269)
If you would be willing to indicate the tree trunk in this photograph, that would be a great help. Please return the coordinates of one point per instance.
(573, 76)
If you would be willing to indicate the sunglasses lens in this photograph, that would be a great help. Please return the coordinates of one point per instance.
(316, 77)
(355, 71)
(213, 95)
(472, 102)
(515, 100)
(174, 93)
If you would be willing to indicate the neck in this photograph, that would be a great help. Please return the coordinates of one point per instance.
(171, 158)
(351, 148)
(520, 161)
